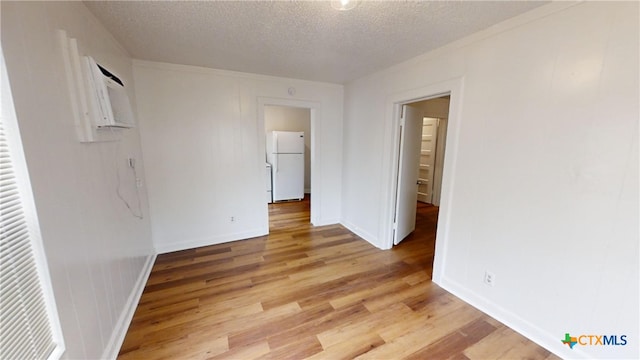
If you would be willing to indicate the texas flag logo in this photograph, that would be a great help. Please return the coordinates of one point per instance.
(570, 340)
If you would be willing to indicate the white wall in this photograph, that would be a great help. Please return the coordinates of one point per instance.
(543, 190)
(286, 118)
(203, 142)
(98, 253)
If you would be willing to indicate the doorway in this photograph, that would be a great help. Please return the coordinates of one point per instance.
(422, 143)
(432, 150)
(390, 185)
(293, 119)
(290, 116)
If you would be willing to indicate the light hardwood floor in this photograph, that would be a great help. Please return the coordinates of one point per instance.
(312, 292)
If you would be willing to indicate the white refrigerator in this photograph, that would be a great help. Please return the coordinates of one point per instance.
(285, 153)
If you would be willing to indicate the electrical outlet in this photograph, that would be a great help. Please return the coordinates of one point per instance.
(139, 183)
(489, 278)
(233, 219)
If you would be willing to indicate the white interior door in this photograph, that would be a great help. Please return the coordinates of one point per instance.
(426, 169)
(407, 195)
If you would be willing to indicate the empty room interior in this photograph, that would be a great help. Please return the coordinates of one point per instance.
(320, 179)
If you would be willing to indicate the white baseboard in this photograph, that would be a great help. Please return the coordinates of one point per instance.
(361, 233)
(532, 332)
(213, 240)
(120, 331)
(325, 222)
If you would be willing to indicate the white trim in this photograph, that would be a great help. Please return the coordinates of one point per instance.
(211, 240)
(316, 150)
(513, 321)
(325, 222)
(124, 320)
(389, 174)
(361, 233)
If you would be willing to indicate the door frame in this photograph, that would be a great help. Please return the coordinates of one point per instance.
(314, 109)
(394, 103)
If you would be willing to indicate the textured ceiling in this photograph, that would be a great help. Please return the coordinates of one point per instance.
(297, 39)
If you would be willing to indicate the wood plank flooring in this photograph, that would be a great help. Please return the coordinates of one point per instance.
(312, 292)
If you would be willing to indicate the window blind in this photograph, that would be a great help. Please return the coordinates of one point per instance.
(25, 329)
(24, 321)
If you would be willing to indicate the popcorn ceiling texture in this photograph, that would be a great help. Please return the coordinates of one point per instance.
(297, 39)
